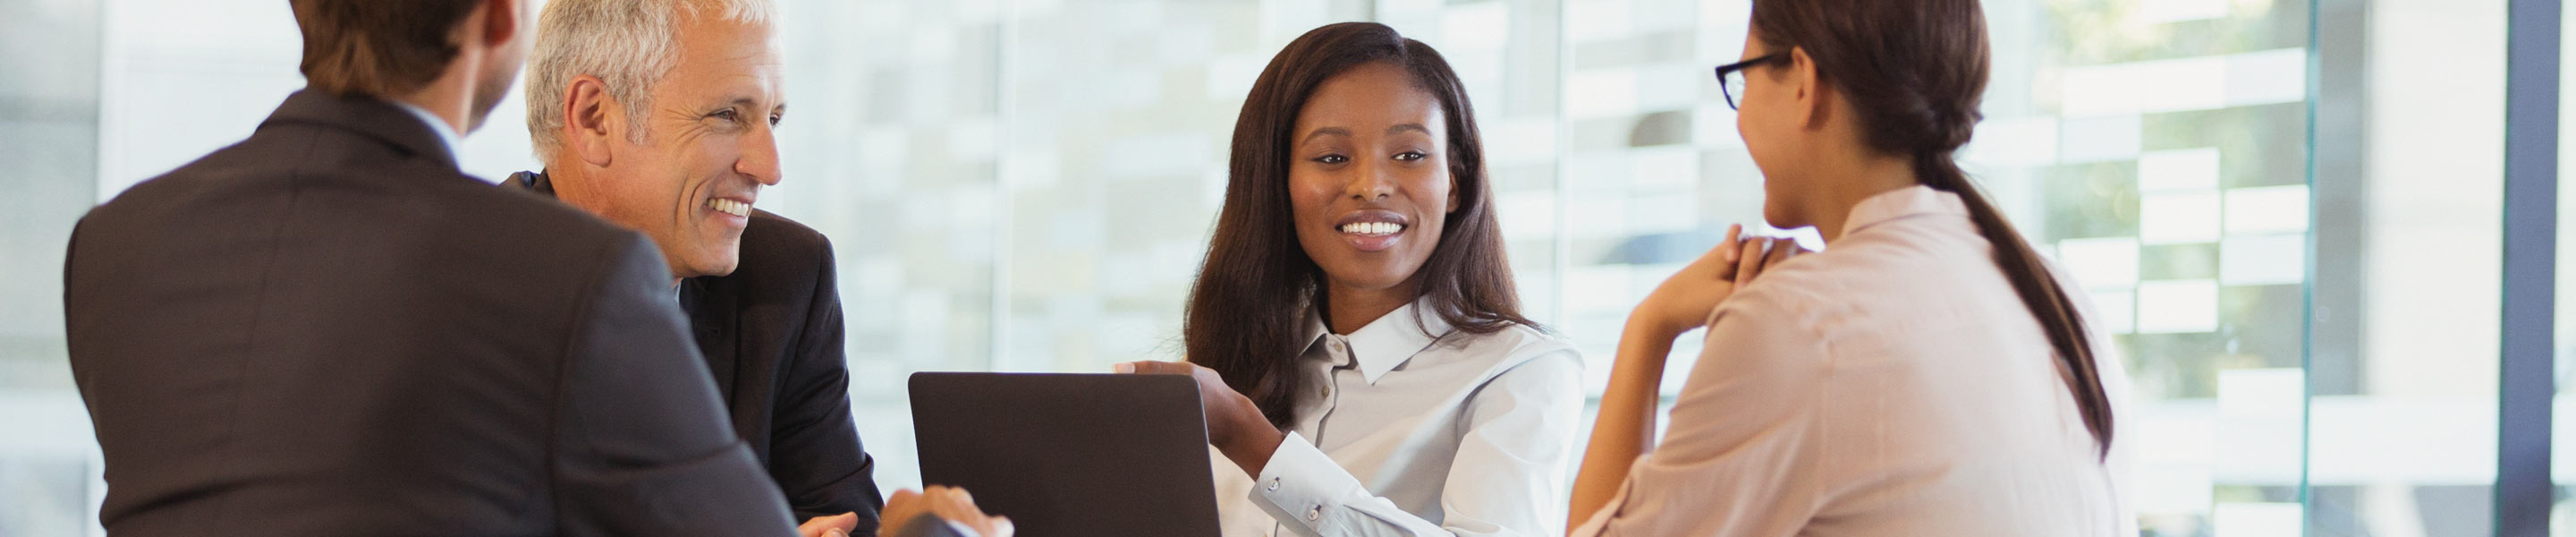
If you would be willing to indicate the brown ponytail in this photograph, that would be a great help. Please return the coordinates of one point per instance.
(1915, 72)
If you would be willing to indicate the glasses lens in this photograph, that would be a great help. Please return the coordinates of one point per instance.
(1729, 84)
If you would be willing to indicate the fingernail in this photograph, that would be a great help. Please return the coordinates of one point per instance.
(1123, 367)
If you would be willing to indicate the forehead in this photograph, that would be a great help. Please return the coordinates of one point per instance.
(718, 56)
(1368, 98)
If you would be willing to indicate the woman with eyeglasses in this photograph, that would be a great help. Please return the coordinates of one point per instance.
(1926, 374)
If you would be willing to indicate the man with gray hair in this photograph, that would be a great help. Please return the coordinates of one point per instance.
(300, 334)
(660, 116)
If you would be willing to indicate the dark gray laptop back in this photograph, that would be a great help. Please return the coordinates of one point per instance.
(1070, 454)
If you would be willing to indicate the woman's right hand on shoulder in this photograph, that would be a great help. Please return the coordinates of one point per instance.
(1683, 302)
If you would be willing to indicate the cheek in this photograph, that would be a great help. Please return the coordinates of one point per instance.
(1435, 187)
(1310, 193)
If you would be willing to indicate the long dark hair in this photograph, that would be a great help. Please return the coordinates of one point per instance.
(1915, 72)
(1248, 308)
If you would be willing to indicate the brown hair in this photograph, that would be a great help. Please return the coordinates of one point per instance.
(1248, 307)
(377, 47)
(1915, 72)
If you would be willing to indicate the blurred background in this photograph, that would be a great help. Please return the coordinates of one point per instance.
(2287, 211)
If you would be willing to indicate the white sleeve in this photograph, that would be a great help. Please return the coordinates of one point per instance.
(1504, 479)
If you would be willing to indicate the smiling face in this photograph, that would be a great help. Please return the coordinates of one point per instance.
(708, 147)
(1369, 177)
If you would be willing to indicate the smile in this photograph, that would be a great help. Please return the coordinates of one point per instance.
(1373, 229)
(731, 207)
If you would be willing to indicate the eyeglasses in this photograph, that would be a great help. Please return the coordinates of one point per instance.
(1731, 76)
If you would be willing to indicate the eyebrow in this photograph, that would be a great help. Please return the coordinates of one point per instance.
(1414, 127)
(1311, 136)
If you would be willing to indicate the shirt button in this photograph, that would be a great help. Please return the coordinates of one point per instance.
(1274, 483)
(1336, 345)
(1312, 514)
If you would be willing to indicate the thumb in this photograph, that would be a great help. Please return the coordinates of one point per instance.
(843, 523)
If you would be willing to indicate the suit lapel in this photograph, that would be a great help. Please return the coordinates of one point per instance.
(712, 318)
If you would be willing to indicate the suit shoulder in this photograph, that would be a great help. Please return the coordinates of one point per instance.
(779, 235)
(544, 215)
(777, 250)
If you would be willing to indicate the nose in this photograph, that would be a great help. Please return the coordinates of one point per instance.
(1369, 181)
(759, 158)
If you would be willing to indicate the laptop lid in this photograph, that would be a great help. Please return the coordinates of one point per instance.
(1070, 454)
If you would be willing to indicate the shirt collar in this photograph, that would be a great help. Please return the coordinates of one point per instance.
(447, 136)
(1382, 344)
(1917, 200)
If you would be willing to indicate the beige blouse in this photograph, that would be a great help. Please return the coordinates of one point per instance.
(1893, 384)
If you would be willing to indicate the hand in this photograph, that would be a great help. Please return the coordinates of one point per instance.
(829, 526)
(947, 503)
(1235, 425)
(1683, 302)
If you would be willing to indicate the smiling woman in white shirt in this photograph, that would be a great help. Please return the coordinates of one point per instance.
(1927, 373)
(1355, 330)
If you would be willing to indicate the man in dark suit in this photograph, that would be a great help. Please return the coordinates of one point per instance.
(680, 150)
(328, 329)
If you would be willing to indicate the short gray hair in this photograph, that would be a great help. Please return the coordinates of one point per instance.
(628, 44)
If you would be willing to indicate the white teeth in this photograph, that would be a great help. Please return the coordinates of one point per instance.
(1373, 228)
(731, 207)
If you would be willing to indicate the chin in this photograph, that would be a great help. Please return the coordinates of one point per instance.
(1780, 216)
(722, 269)
(1370, 278)
(713, 266)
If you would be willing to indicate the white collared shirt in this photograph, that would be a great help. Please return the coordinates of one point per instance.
(1893, 384)
(1417, 429)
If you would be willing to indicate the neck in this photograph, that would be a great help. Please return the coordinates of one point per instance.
(451, 96)
(572, 187)
(1856, 179)
(1347, 308)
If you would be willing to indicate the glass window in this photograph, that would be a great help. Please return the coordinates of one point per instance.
(2281, 210)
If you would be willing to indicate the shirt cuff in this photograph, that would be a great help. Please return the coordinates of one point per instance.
(1303, 487)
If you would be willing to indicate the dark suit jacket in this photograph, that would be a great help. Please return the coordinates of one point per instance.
(304, 334)
(772, 335)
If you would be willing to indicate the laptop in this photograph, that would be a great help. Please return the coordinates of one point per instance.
(1070, 454)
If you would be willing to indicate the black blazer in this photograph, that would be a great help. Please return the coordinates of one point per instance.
(772, 335)
(328, 329)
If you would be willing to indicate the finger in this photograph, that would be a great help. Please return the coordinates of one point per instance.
(1778, 251)
(1167, 368)
(1748, 260)
(844, 522)
(829, 526)
(1724, 254)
